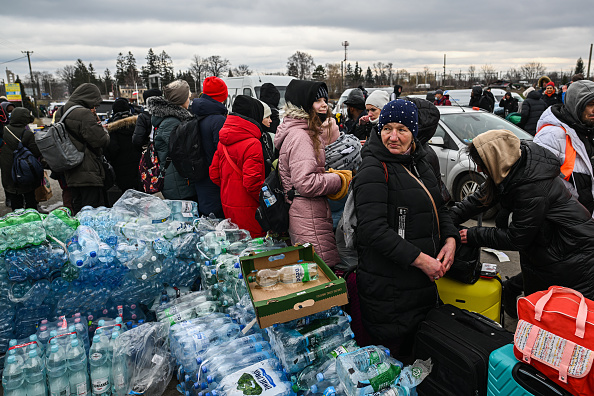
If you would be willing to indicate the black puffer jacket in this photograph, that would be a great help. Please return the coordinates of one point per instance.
(532, 108)
(122, 154)
(396, 296)
(143, 129)
(551, 228)
(270, 95)
(551, 100)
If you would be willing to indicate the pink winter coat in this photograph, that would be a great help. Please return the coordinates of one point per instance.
(310, 219)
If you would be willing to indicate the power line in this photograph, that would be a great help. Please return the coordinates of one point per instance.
(1, 63)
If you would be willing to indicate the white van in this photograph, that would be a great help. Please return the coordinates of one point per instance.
(250, 85)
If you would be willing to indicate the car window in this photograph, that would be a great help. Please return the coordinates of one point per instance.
(467, 126)
(104, 107)
(281, 90)
(247, 91)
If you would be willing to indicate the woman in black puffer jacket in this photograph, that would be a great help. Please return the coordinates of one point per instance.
(532, 109)
(403, 245)
(549, 226)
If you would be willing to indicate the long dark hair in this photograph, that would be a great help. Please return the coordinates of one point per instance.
(488, 188)
(314, 124)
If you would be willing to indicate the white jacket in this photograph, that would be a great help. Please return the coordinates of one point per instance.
(553, 138)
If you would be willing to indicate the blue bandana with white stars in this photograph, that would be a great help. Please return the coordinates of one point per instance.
(400, 111)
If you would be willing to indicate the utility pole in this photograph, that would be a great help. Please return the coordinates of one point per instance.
(345, 44)
(444, 69)
(30, 70)
(589, 61)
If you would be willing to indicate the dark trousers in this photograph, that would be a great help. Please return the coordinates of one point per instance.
(83, 196)
(19, 201)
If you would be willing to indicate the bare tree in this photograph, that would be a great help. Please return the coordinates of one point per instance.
(198, 70)
(333, 78)
(471, 71)
(242, 70)
(513, 74)
(216, 65)
(532, 70)
(488, 72)
(67, 74)
(300, 65)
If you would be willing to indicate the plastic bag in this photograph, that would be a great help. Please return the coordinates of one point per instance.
(138, 204)
(149, 364)
(413, 375)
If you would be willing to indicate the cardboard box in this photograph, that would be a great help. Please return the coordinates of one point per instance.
(286, 302)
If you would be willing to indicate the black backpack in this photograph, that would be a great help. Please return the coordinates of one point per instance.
(26, 169)
(273, 212)
(186, 151)
(269, 152)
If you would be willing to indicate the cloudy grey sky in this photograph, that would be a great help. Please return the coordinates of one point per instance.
(263, 33)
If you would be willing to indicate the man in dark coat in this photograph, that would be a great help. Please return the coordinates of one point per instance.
(355, 109)
(210, 106)
(480, 99)
(270, 95)
(549, 96)
(509, 104)
(122, 154)
(20, 196)
(144, 128)
(532, 109)
(85, 181)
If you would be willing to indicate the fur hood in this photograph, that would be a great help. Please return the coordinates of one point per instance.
(158, 106)
(296, 112)
(122, 123)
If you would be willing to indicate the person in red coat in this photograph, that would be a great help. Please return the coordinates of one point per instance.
(238, 164)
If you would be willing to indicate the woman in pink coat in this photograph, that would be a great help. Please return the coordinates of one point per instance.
(306, 128)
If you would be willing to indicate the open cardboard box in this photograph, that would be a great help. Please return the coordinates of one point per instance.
(286, 302)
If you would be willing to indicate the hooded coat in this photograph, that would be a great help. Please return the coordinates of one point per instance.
(301, 166)
(87, 135)
(481, 99)
(214, 113)
(4, 118)
(394, 295)
(532, 109)
(549, 226)
(19, 119)
(165, 116)
(122, 154)
(561, 121)
(270, 95)
(242, 174)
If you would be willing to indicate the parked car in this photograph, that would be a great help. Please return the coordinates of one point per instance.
(250, 86)
(457, 128)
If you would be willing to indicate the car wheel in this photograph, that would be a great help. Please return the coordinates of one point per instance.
(468, 185)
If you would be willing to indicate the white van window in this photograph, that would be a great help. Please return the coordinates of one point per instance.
(247, 91)
(281, 89)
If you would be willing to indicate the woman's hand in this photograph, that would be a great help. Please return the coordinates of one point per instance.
(433, 268)
(364, 120)
(464, 235)
(447, 253)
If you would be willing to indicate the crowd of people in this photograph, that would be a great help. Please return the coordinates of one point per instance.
(407, 233)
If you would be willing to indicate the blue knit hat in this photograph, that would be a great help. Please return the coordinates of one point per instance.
(400, 111)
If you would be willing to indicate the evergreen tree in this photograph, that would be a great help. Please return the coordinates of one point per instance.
(120, 69)
(152, 66)
(107, 81)
(81, 73)
(230, 73)
(131, 74)
(166, 68)
(579, 66)
(368, 76)
(357, 74)
(349, 74)
(319, 74)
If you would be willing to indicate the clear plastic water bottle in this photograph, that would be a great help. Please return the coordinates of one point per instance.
(296, 273)
(88, 239)
(34, 372)
(119, 370)
(269, 198)
(266, 375)
(229, 347)
(227, 235)
(13, 380)
(57, 375)
(294, 341)
(77, 370)
(368, 370)
(100, 367)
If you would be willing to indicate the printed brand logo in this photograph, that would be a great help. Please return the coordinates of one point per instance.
(100, 385)
(96, 356)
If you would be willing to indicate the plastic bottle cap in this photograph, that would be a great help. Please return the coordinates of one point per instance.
(320, 377)
(93, 254)
(33, 353)
(133, 306)
(199, 361)
(44, 321)
(387, 351)
(157, 270)
(102, 322)
(187, 378)
(74, 343)
(79, 263)
(213, 271)
(55, 348)
(12, 342)
(43, 328)
(118, 320)
(209, 379)
(236, 265)
(139, 265)
(54, 341)
(96, 338)
(144, 277)
(11, 359)
(77, 315)
(314, 389)
(204, 369)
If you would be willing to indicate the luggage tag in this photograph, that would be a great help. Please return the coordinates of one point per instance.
(489, 270)
(402, 212)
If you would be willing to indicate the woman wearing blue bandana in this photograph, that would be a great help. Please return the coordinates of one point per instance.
(406, 239)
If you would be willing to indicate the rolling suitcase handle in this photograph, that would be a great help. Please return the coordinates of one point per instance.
(535, 382)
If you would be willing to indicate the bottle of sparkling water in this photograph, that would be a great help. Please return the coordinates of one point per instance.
(57, 371)
(77, 370)
(35, 375)
(100, 367)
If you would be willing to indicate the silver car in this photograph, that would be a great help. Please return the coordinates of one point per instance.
(457, 127)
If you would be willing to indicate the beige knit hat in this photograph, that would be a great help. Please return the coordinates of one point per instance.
(177, 92)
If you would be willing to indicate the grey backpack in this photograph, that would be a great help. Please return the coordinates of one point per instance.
(56, 147)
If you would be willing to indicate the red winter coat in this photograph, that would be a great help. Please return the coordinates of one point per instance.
(239, 192)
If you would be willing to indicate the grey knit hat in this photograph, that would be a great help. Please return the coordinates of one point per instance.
(177, 92)
(378, 98)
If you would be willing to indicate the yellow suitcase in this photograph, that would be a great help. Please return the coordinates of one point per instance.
(483, 297)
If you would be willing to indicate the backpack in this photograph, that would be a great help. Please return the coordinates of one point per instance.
(273, 212)
(152, 174)
(56, 147)
(26, 169)
(269, 152)
(186, 151)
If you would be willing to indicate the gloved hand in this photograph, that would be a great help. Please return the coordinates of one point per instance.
(345, 176)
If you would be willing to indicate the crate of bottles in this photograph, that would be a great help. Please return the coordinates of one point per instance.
(290, 283)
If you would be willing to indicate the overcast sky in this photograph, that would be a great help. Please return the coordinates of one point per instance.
(263, 33)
